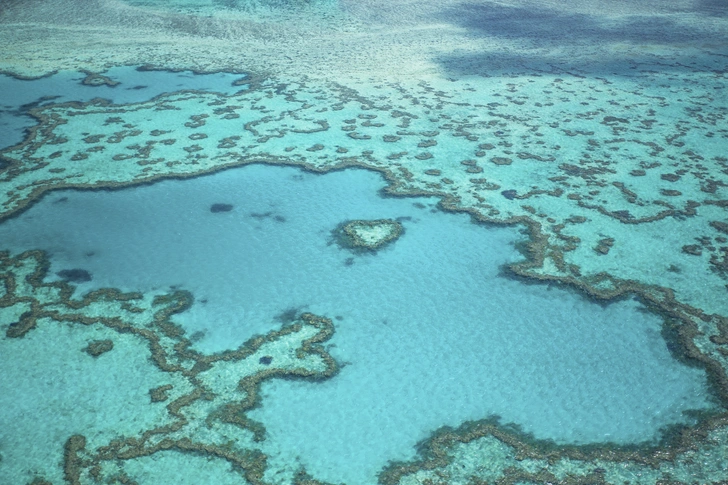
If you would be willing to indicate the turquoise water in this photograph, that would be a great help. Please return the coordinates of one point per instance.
(134, 86)
(430, 332)
(603, 124)
(210, 7)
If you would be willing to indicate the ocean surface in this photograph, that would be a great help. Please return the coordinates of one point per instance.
(180, 304)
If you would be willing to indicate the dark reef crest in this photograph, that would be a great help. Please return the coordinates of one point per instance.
(367, 235)
(585, 190)
(149, 318)
(171, 352)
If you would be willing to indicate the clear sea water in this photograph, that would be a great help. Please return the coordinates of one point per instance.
(430, 330)
(135, 86)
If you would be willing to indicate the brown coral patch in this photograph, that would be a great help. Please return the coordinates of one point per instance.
(97, 347)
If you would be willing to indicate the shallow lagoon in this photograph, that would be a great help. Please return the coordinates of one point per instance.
(127, 84)
(429, 330)
(650, 44)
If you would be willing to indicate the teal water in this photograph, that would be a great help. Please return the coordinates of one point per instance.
(621, 106)
(134, 86)
(208, 7)
(429, 331)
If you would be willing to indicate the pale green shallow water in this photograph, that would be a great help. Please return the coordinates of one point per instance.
(621, 163)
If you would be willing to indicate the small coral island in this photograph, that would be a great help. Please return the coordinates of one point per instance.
(361, 235)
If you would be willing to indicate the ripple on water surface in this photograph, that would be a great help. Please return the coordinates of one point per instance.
(430, 332)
